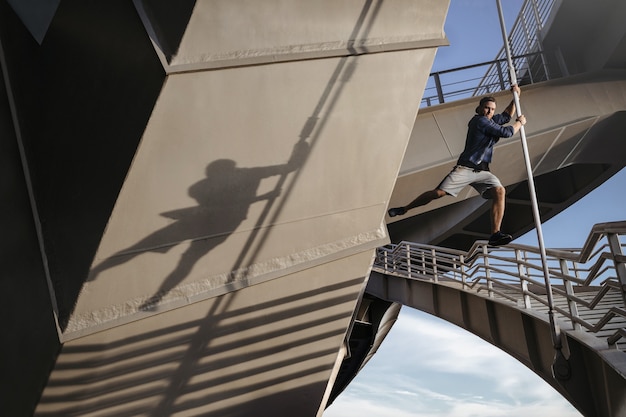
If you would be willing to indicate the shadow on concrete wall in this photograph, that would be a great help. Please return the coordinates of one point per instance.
(224, 197)
(178, 368)
(239, 186)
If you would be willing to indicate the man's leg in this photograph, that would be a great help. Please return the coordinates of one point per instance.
(421, 200)
(497, 208)
(497, 214)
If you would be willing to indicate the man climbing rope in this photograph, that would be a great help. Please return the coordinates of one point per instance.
(472, 168)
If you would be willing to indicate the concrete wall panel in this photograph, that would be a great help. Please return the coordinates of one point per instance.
(230, 355)
(211, 198)
(222, 33)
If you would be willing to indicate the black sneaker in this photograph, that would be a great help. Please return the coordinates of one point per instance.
(397, 211)
(499, 239)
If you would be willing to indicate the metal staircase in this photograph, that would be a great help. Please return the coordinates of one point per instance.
(500, 294)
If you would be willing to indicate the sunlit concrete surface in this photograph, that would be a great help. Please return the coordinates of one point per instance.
(196, 204)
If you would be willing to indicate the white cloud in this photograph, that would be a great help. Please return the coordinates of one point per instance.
(430, 343)
(359, 407)
(427, 367)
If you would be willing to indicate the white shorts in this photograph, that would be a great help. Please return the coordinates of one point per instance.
(461, 176)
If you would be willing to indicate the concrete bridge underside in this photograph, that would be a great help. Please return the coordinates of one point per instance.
(573, 150)
(196, 188)
(575, 139)
(588, 374)
(575, 134)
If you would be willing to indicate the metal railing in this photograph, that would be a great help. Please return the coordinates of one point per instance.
(532, 64)
(583, 281)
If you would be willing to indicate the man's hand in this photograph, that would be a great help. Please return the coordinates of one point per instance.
(515, 89)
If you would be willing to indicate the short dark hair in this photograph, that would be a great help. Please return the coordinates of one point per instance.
(483, 101)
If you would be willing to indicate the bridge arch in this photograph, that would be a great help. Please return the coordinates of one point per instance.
(589, 371)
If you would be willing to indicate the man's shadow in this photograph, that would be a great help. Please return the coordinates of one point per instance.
(224, 197)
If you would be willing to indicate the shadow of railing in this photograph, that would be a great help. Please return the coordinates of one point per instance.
(183, 367)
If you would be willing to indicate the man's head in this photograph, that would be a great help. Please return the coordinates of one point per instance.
(486, 107)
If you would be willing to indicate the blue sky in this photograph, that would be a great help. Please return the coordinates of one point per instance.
(428, 367)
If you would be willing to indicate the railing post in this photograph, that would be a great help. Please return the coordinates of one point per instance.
(500, 76)
(569, 290)
(438, 86)
(538, 30)
(537, 16)
(528, 39)
(620, 262)
(408, 260)
(462, 268)
(433, 254)
(487, 271)
(386, 260)
(521, 270)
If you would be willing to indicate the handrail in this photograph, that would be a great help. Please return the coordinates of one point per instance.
(525, 39)
(460, 86)
(533, 63)
(597, 232)
(509, 271)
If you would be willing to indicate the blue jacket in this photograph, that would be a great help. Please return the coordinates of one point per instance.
(482, 134)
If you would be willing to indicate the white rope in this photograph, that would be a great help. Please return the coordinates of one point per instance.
(556, 337)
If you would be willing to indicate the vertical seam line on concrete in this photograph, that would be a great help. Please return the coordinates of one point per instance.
(410, 298)
(465, 314)
(577, 144)
(545, 154)
(532, 343)
(29, 187)
(442, 135)
(435, 295)
(493, 322)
